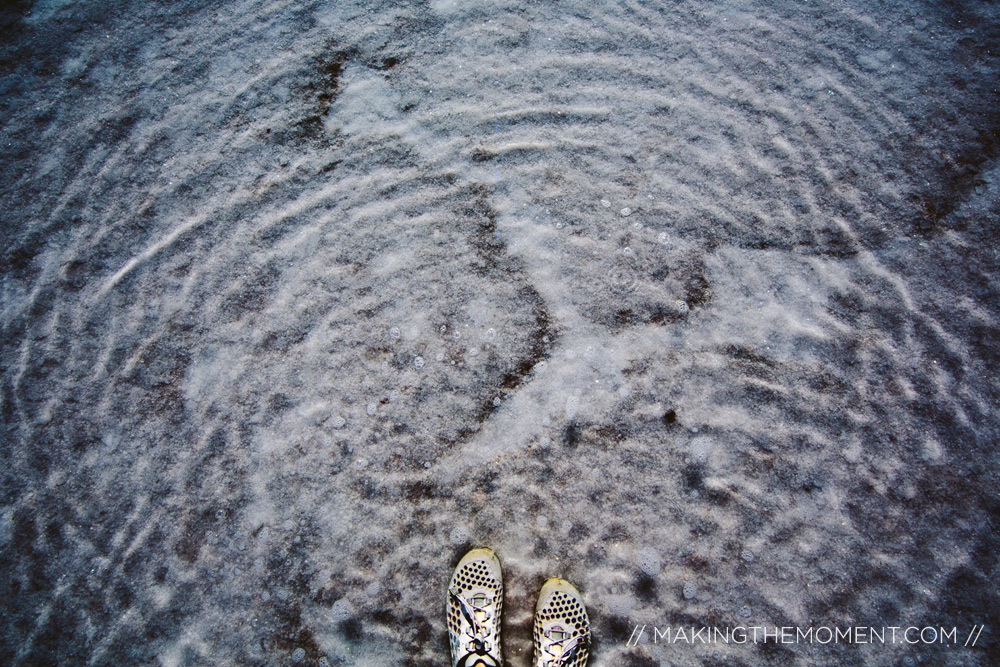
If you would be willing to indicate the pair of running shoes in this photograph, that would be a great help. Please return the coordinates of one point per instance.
(475, 601)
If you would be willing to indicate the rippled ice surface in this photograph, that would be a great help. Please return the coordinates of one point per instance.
(693, 303)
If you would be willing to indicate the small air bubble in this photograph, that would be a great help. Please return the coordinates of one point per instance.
(439, 356)
(627, 250)
(559, 225)
(288, 524)
(636, 225)
(418, 362)
(371, 409)
(394, 395)
(648, 561)
(282, 595)
(605, 203)
(626, 212)
(323, 662)
(395, 333)
(459, 535)
(220, 515)
(299, 654)
(338, 422)
(747, 555)
(542, 521)
(473, 351)
(491, 333)
(681, 306)
(443, 329)
(265, 596)
(745, 611)
(497, 401)
(341, 610)
(373, 589)
(254, 622)
(690, 590)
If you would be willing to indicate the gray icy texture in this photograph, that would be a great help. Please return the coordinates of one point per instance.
(695, 304)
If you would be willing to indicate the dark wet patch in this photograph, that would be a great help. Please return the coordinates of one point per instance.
(317, 93)
(644, 587)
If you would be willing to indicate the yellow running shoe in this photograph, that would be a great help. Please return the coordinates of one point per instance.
(562, 629)
(475, 600)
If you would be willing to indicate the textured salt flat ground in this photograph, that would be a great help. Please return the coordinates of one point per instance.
(693, 303)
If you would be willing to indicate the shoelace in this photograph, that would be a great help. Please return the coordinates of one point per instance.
(574, 644)
(480, 645)
(479, 632)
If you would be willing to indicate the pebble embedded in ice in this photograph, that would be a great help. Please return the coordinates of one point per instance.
(745, 611)
(373, 589)
(690, 590)
(371, 409)
(648, 561)
(605, 203)
(418, 362)
(323, 662)
(298, 655)
(395, 333)
(459, 535)
(681, 306)
(747, 555)
(626, 212)
(341, 610)
(394, 395)
(541, 521)
(265, 596)
(361, 463)
(491, 333)
(288, 524)
(338, 422)
(473, 351)
(497, 401)
(282, 594)
(439, 356)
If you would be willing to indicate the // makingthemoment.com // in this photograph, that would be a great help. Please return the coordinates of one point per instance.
(824, 634)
